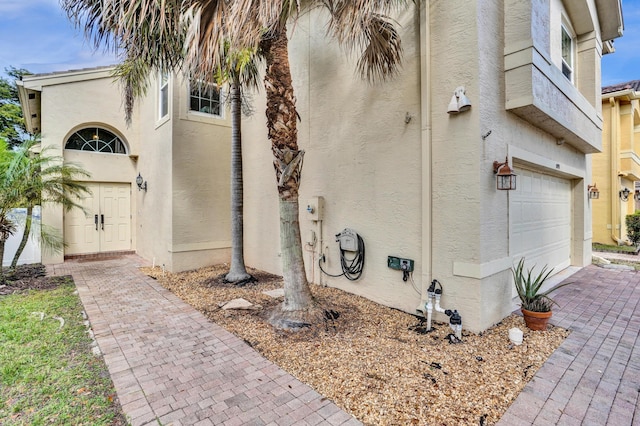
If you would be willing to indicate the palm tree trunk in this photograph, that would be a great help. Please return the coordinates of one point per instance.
(25, 237)
(282, 131)
(6, 230)
(2, 277)
(237, 270)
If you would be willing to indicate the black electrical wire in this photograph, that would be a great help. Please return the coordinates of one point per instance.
(351, 268)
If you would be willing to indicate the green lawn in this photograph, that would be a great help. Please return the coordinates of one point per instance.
(48, 373)
(615, 249)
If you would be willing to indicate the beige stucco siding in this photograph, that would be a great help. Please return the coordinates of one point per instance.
(388, 159)
(155, 166)
(67, 108)
(361, 157)
(201, 189)
(368, 186)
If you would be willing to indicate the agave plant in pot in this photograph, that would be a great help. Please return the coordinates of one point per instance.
(536, 304)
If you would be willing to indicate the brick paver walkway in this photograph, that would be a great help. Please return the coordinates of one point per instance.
(171, 366)
(594, 377)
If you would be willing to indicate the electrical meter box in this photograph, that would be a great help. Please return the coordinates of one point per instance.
(315, 208)
(400, 264)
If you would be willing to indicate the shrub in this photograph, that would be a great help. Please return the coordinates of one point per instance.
(633, 227)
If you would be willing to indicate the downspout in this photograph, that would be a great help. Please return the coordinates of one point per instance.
(425, 139)
(615, 180)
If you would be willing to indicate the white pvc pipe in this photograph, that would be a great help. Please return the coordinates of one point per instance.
(438, 308)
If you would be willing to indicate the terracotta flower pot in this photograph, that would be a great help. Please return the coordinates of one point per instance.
(536, 320)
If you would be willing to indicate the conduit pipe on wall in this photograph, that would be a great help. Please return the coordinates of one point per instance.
(425, 139)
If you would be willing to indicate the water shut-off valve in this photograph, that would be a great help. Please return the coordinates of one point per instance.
(434, 292)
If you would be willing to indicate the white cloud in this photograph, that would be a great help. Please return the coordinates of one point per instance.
(12, 8)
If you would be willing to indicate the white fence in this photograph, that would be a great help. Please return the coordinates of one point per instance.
(31, 253)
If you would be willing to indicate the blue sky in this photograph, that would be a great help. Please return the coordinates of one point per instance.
(36, 35)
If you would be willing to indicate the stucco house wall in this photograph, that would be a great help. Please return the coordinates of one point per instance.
(425, 189)
(182, 220)
(74, 100)
(201, 152)
(388, 159)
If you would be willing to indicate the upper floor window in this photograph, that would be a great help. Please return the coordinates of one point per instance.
(96, 139)
(205, 98)
(567, 54)
(163, 97)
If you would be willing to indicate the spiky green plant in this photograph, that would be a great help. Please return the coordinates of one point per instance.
(528, 285)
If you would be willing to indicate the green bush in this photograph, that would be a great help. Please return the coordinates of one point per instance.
(633, 227)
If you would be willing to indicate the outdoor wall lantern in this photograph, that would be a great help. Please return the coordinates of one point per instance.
(459, 102)
(594, 194)
(505, 178)
(636, 195)
(142, 184)
(624, 194)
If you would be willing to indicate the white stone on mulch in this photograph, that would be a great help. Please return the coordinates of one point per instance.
(278, 292)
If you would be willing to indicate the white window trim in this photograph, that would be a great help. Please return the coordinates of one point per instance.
(163, 90)
(194, 113)
(570, 67)
(161, 119)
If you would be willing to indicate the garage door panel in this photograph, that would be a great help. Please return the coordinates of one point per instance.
(540, 220)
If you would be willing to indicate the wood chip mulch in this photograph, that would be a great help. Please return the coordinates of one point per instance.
(378, 363)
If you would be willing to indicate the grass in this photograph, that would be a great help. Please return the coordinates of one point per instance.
(48, 374)
(615, 249)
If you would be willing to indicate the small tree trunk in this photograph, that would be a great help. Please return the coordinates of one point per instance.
(2, 277)
(237, 270)
(25, 237)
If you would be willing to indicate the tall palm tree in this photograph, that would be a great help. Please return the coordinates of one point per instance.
(150, 31)
(238, 69)
(34, 178)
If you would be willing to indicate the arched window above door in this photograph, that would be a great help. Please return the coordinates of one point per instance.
(96, 139)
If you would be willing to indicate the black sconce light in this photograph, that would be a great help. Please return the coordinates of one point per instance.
(142, 184)
(636, 195)
(505, 178)
(624, 194)
(594, 194)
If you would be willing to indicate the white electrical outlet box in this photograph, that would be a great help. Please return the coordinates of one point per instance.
(315, 208)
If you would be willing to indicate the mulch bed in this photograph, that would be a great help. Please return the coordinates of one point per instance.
(377, 363)
(29, 277)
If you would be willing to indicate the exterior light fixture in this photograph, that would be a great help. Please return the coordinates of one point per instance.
(142, 184)
(593, 192)
(505, 178)
(636, 195)
(459, 101)
(624, 194)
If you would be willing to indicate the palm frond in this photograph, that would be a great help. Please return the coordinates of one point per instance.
(364, 27)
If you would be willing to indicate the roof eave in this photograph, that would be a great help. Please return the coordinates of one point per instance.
(30, 108)
(610, 17)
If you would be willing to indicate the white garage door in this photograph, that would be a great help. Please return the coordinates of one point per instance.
(540, 220)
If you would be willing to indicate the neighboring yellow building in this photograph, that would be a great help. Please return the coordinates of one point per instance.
(617, 168)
